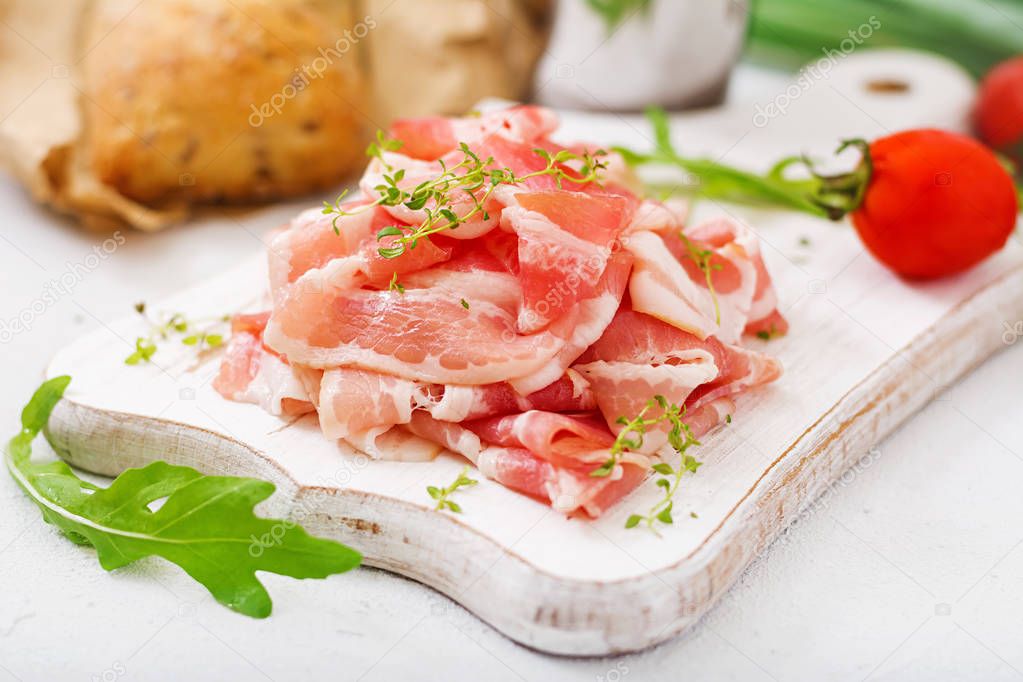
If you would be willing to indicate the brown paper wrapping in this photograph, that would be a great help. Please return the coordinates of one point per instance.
(41, 133)
(423, 57)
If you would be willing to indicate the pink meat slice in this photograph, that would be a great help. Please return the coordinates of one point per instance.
(249, 372)
(352, 401)
(571, 489)
(639, 356)
(420, 334)
(592, 317)
(577, 440)
(431, 138)
(564, 242)
(517, 339)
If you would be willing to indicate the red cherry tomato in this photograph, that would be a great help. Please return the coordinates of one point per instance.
(937, 203)
(998, 117)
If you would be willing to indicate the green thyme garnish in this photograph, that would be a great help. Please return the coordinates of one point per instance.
(465, 304)
(703, 258)
(203, 334)
(437, 196)
(681, 439)
(634, 430)
(395, 285)
(442, 495)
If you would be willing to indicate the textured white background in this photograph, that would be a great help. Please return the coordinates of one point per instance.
(910, 569)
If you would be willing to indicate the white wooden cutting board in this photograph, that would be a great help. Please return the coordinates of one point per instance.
(866, 350)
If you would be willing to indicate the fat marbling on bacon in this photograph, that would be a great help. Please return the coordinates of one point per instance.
(520, 337)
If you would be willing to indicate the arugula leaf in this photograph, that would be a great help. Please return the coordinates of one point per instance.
(206, 524)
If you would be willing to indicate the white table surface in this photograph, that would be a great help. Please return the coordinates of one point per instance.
(911, 568)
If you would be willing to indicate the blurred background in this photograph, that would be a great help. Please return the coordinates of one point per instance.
(125, 112)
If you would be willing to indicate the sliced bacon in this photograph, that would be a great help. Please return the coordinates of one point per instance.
(423, 334)
(639, 356)
(593, 315)
(354, 401)
(518, 338)
(250, 373)
(570, 440)
(431, 138)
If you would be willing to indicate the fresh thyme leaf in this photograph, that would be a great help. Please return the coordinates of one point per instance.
(199, 333)
(680, 437)
(395, 285)
(442, 495)
(473, 179)
(704, 261)
(465, 304)
(206, 524)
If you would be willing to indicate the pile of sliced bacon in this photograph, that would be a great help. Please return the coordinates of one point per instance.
(521, 336)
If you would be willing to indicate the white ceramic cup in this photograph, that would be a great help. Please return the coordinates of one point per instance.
(674, 53)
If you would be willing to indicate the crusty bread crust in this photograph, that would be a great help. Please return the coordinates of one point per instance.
(210, 100)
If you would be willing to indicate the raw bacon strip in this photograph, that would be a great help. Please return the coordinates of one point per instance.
(431, 138)
(662, 288)
(354, 401)
(454, 437)
(593, 316)
(640, 339)
(764, 316)
(417, 172)
(624, 389)
(310, 242)
(639, 357)
(566, 490)
(423, 334)
(249, 373)
(577, 440)
(571, 393)
(564, 242)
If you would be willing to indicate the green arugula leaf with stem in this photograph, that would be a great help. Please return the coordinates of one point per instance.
(820, 195)
(442, 495)
(206, 524)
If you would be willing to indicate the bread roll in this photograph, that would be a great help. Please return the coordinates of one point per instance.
(222, 100)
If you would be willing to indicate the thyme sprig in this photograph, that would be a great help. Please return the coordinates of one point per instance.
(474, 177)
(634, 430)
(202, 333)
(395, 285)
(442, 495)
(671, 478)
(704, 261)
(680, 437)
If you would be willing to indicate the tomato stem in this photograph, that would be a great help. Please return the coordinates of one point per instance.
(825, 196)
(843, 193)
